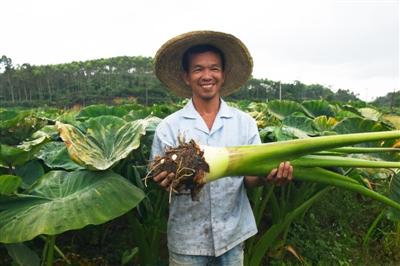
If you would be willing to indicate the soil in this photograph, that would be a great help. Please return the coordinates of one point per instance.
(188, 164)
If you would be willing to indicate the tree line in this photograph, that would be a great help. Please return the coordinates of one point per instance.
(101, 80)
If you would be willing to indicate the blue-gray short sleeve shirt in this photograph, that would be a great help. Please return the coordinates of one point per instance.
(222, 218)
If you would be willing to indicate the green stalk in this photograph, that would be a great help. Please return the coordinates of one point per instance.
(363, 150)
(337, 161)
(323, 176)
(260, 159)
(269, 238)
(241, 160)
(51, 239)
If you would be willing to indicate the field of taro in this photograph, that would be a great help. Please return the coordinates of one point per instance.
(72, 186)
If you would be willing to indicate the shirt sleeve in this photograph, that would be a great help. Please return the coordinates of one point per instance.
(157, 147)
(161, 140)
(254, 135)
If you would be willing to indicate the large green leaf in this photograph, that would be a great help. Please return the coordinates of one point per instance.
(9, 184)
(358, 125)
(281, 109)
(16, 126)
(55, 155)
(107, 140)
(371, 113)
(281, 133)
(324, 125)
(18, 155)
(63, 201)
(300, 121)
(319, 107)
(22, 255)
(29, 172)
(100, 110)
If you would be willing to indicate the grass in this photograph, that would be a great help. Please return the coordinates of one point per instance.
(332, 233)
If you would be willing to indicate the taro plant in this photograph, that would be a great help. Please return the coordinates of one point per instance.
(60, 200)
(275, 208)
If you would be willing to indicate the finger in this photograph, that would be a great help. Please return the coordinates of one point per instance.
(167, 180)
(285, 170)
(290, 174)
(158, 178)
(279, 174)
(272, 174)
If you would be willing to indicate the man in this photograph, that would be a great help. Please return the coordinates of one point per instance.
(206, 65)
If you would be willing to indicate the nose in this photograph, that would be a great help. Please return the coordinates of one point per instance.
(206, 74)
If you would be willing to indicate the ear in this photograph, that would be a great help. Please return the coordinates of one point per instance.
(223, 77)
(185, 77)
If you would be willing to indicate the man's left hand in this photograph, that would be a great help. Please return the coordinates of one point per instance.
(281, 175)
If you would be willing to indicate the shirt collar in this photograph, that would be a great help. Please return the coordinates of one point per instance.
(191, 112)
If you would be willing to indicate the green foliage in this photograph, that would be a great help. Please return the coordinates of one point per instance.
(329, 235)
(281, 213)
(22, 255)
(9, 184)
(62, 201)
(16, 126)
(105, 140)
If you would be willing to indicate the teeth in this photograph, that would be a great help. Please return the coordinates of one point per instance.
(207, 86)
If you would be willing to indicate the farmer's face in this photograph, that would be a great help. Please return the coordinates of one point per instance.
(205, 75)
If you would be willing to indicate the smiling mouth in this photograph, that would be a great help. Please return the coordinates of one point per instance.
(207, 86)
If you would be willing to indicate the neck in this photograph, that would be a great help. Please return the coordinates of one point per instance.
(209, 107)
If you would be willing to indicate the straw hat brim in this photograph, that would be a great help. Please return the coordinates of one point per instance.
(168, 60)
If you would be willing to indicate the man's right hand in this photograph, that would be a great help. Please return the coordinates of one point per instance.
(164, 179)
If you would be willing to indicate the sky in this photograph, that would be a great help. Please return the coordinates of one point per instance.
(341, 44)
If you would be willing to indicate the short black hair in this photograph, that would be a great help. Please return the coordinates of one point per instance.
(199, 49)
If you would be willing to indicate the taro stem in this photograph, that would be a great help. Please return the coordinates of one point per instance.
(241, 160)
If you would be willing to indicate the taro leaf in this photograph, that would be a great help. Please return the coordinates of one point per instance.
(16, 126)
(63, 201)
(152, 122)
(343, 114)
(358, 125)
(12, 156)
(394, 194)
(9, 184)
(55, 155)
(22, 255)
(281, 109)
(287, 133)
(351, 109)
(106, 141)
(29, 172)
(24, 152)
(100, 110)
(370, 113)
(319, 107)
(299, 121)
(137, 114)
(324, 125)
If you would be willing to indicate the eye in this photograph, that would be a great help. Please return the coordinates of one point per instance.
(196, 70)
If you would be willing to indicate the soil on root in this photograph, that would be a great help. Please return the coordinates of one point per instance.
(188, 164)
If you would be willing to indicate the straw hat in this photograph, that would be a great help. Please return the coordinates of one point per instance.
(168, 60)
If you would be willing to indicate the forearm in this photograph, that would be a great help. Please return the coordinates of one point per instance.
(254, 181)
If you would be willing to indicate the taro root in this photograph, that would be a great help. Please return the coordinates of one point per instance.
(188, 164)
